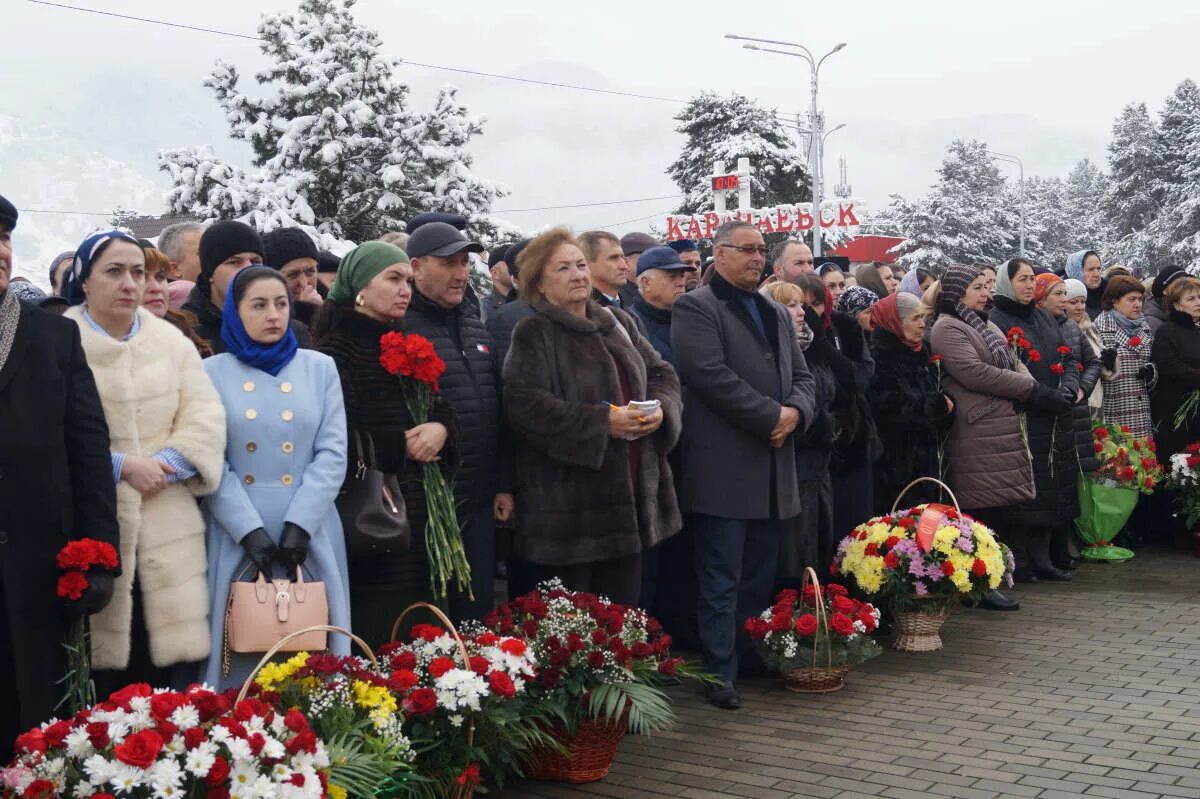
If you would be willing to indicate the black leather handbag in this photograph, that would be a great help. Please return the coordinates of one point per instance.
(372, 509)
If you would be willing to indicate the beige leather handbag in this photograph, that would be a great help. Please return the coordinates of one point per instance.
(260, 614)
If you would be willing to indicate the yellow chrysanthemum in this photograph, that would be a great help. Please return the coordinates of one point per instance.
(273, 675)
(375, 698)
(337, 792)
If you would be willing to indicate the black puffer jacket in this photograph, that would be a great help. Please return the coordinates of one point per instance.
(375, 405)
(471, 384)
(1051, 438)
(1176, 353)
(911, 415)
(1089, 375)
(208, 322)
(501, 323)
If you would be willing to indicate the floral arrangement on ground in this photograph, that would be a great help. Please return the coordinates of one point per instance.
(794, 633)
(1125, 461)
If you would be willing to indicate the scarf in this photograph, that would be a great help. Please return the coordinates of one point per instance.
(1042, 285)
(855, 300)
(81, 268)
(911, 284)
(1075, 263)
(270, 358)
(10, 314)
(1130, 326)
(360, 266)
(886, 314)
(954, 286)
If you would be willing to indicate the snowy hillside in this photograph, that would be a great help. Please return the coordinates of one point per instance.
(54, 169)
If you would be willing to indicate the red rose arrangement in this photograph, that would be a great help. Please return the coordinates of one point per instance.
(792, 634)
(1125, 460)
(74, 561)
(414, 360)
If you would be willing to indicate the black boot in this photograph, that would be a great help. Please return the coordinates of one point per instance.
(994, 600)
(1024, 574)
(1053, 574)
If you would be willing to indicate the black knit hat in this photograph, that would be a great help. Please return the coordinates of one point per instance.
(327, 262)
(8, 213)
(499, 253)
(287, 244)
(221, 240)
(514, 251)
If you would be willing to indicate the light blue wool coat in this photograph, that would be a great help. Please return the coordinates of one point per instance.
(285, 461)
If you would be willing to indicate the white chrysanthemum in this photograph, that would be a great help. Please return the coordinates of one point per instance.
(125, 779)
(98, 769)
(241, 778)
(264, 788)
(165, 778)
(273, 749)
(199, 761)
(239, 749)
(77, 743)
(185, 716)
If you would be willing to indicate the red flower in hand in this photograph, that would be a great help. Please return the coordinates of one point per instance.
(72, 585)
(1023, 343)
(1135, 341)
(1057, 369)
(1034, 356)
(935, 359)
(1064, 350)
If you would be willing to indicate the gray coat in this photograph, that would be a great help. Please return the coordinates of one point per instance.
(988, 465)
(735, 383)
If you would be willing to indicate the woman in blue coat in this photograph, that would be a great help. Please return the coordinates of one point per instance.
(284, 462)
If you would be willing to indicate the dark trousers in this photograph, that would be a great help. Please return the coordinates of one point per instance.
(735, 569)
(671, 595)
(853, 503)
(479, 541)
(619, 579)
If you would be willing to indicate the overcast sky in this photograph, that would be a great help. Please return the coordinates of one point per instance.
(1042, 80)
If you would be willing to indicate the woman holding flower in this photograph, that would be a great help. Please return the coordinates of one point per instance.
(911, 411)
(1176, 354)
(1123, 327)
(594, 487)
(988, 463)
(368, 300)
(283, 464)
(1042, 350)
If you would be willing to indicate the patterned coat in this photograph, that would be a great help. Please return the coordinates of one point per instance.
(1127, 396)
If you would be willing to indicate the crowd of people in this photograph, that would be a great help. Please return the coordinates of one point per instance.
(678, 434)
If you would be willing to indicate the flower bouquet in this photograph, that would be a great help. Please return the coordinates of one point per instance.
(814, 637)
(599, 663)
(1127, 466)
(465, 695)
(160, 744)
(923, 561)
(1185, 481)
(76, 561)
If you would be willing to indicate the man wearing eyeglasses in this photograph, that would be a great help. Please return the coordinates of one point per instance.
(747, 390)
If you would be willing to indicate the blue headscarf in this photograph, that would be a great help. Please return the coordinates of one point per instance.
(270, 358)
(1075, 263)
(72, 288)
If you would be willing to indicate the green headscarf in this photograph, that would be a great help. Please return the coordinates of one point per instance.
(360, 266)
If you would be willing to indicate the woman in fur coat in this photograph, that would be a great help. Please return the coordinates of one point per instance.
(167, 431)
(594, 488)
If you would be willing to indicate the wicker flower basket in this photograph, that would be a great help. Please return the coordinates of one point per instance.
(920, 630)
(816, 679)
(589, 753)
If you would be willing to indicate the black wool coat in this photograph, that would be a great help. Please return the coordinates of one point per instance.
(1089, 375)
(1176, 353)
(656, 324)
(500, 326)
(208, 322)
(576, 501)
(375, 406)
(736, 380)
(56, 485)
(854, 367)
(471, 384)
(910, 413)
(1051, 438)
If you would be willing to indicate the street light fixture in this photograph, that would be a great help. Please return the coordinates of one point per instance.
(816, 140)
(1012, 159)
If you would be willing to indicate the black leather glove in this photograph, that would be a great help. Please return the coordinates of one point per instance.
(1108, 358)
(293, 547)
(260, 549)
(1050, 400)
(98, 594)
(1146, 373)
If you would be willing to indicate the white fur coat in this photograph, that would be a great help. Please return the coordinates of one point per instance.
(156, 395)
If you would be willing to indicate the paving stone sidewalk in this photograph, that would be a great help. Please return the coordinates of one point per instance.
(1091, 690)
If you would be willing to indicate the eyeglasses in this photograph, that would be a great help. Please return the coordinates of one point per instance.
(746, 249)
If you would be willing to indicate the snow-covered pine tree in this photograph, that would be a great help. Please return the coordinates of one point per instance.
(725, 129)
(1132, 200)
(1048, 235)
(964, 218)
(1176, 229)
(336, 147)
(1083, 199)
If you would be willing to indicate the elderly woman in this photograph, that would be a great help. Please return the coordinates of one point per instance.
(1076, 311)
(1050, 432)
(911, 411)
(167, 431)
(856, 303)
(1121, 326)
(284, 462)
(988, 463)
(1176, 354)
(369, 298)
(1084, 266)
(594, 488)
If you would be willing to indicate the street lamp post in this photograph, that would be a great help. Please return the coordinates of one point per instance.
(816, 138)
(1012, 159)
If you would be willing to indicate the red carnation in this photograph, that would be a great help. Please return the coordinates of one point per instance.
(892, 540)
(401, 680)
(1024, 343)
(139, 749)
(1015, 332)
(31, 742)
(303, 742)
(513, 646)
(71, 585)
(1148, 483)
(1034, 356)
(421, 702)
(502, 684)
(907, 523)
(935, 359)
(1063, 349)
(439, 666)
(1135, 341)
(891, 561)
(1057, 369)
(1101, 432)
(193, 737)
(871, 550)
(1125, 429)
(947, 568)
(841, 624)
(405, 660)
(1127, 474)
(979, 568)
(1078, 367)
(806, 625)
(38, 789)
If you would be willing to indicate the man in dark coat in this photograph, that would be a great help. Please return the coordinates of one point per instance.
(55, 485)
(503, 290)
(471, 384)
(501, 323)
(746, 391)
(226, 248)
(661, 278)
